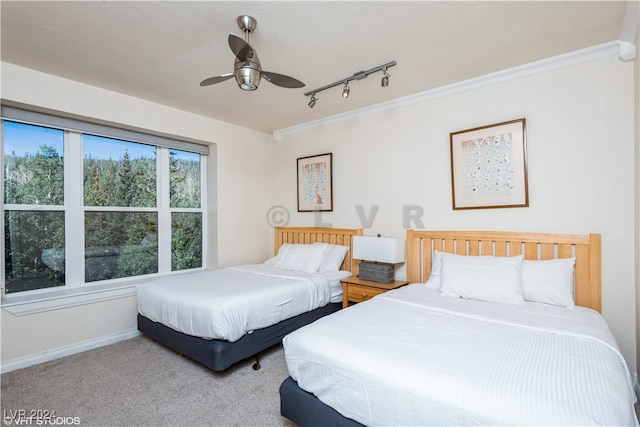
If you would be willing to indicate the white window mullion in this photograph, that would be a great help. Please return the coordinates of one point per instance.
(74, 212)
(164, 213)
(205, 217)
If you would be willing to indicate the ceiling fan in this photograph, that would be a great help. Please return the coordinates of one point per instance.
(247, 69)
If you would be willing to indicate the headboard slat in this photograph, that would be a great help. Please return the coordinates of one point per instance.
(547, 251)
(531, 250)
(487, 247)
(515, 249)
(565, 250)
(501, 249)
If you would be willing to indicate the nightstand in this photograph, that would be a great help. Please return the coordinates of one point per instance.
(356, 290)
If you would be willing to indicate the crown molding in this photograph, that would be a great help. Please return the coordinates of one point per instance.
(548, 64)
(629, 31)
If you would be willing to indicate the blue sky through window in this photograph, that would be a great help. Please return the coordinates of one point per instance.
(24, 139)
(99, 147)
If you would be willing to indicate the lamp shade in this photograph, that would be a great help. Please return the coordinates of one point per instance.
(379, 249)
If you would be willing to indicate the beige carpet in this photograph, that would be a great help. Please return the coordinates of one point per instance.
(141, 383)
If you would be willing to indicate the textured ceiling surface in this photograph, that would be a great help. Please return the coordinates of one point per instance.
(161, 51)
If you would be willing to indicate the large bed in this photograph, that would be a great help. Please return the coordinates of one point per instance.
(220, 317)
(495, 328)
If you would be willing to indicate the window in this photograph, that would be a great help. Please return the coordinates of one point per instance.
(83, 207)
(186, 217)
(121, 241)
(34, 220)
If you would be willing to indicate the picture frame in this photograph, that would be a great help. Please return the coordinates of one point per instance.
(489, 166)
(315, 183)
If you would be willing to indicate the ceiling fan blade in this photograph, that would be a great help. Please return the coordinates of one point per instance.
(216, 79)
(241, 49)
(282, 80)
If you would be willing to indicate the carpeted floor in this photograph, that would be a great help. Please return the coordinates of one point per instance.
(141, 383)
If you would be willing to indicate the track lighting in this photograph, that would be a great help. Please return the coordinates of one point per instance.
(385, 78)
(356, 76)
(345, 91)
(312, 102)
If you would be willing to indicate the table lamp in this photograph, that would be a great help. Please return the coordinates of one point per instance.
(378, 257)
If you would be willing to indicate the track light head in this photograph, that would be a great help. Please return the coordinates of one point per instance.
(346, 90)
(312, 101)
(385, 79)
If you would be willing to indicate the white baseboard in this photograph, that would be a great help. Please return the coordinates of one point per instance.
(68, 350)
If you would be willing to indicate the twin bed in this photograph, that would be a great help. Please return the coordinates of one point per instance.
(495, 328)
(221, 317)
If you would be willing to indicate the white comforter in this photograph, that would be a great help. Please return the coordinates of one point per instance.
(227, 303)
(413, 357)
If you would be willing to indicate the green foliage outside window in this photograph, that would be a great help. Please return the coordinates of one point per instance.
(33, 240)
(120, 244)
(184, 175)
(186, 240)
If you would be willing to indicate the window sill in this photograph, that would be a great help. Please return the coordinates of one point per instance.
(22, 305)
(55, 299)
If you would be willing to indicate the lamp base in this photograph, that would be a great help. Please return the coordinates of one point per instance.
(376, 272)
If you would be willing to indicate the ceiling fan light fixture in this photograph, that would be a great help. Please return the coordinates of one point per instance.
(346, 90)
(248, 75)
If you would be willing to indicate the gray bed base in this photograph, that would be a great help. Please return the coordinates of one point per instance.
(306, 410)
(218, 355)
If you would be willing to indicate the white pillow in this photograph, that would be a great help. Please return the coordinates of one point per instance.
(301, 257)
(549, 281)
(436, 268)
(274, 261)
(333, 257)
(485, 278)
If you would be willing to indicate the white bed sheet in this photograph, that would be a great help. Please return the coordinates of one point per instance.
(413, 357)
(227, 303)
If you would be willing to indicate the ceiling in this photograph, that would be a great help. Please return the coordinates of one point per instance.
(161, 51)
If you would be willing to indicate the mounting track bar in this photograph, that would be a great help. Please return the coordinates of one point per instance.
(357, 76)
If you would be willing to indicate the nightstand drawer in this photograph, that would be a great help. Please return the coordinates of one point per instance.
(361, 293)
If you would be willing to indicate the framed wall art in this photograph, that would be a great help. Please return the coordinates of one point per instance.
(489, 166)
(315, 187)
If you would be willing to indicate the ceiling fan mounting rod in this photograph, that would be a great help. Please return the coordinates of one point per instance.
(247, 24)
(356, 76)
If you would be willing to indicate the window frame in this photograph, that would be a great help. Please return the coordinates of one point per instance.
(76, 291)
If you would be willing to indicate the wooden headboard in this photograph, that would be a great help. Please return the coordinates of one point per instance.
(335, 236)
(534, 246)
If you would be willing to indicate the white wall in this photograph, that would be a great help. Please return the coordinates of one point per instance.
(580, 142)
(581, 178)
(241, 182)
